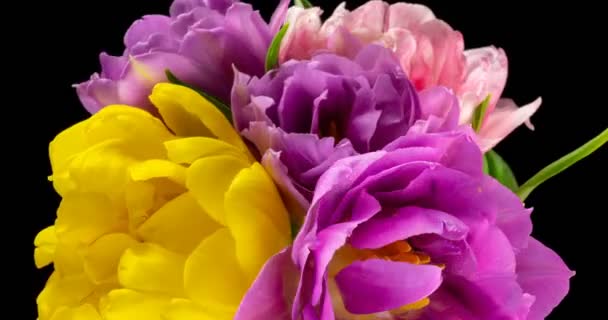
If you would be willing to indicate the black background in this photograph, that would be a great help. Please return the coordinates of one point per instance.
(554, 52)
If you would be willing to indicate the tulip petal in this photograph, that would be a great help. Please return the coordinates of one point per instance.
(45, 243)
(256, 217)
(209, 178)
(181, 309)
(157, 168)
(188, 150)
(213, 276)
(83, 312)
(542, 273)
(189, 114)
(102, 256)
(179, 225)
(377, 285)
(150, 268)
(265, 299)
(62, 291)
(505, 118)
(126, 122)
(125, 304)
(101, 217)
(405, 223)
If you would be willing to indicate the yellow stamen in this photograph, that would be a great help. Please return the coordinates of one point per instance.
(412, 306)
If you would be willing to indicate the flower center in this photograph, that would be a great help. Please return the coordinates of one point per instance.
(398, 251)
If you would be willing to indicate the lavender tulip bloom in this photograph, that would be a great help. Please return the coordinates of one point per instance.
(308, 114)
(414, 231)
(199, 42)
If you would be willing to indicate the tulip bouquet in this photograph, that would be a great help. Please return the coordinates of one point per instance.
(300, 168)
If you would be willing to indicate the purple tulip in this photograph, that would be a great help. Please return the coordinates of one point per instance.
(414, 231)
(200, 42)
(305, 115)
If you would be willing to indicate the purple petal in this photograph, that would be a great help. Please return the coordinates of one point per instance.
(112, 67)
(377, 285)
(279, 15)
(405, 223)
(459, 148)
(489, 299)
(268, 296)
(294, 200)
(97, 93)
(492, 249)
(145, 27)
(543, 274)
(183, 6)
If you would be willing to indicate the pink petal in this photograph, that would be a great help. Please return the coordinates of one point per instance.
(486, 73)
(408, 15)
(303, 36)
(505, 118)
(369, 20)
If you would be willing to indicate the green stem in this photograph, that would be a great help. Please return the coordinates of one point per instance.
(562, 164)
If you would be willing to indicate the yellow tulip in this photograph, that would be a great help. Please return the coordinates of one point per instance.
(159, 219)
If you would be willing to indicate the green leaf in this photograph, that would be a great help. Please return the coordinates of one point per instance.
(495, 166)
(224, 108)
(303, 3)
(272, 56)
(480, 113)
(562, 164)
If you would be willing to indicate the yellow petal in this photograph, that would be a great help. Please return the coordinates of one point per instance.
(82, 218)
(182, 309)
(179, 225)
(212, 275)
(209, 179)
(101, 168)
(68, 258)
(188, 150)
(102, 256)
(151, 268)
(62, 291)
(157, 168)
(140, 202)
(188, 114)
(130, 123)
(45, 243)
(100, 291)
(125, 304)
(66, 144)
(83, 312)
(257, 218)
(144, 198)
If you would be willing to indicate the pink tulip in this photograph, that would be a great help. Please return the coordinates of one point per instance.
(428, 49)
